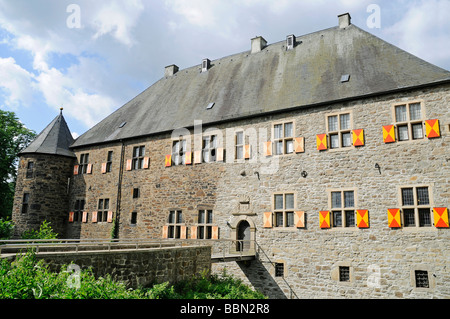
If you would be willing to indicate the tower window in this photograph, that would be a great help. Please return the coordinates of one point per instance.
(30, 167)
(25, 202)
(133, 218)
(135, 192)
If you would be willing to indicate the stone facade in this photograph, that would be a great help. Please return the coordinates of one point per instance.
(47, 185)
(311, 255)
(285, 206)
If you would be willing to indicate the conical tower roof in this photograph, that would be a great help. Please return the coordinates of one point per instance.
(55, 139)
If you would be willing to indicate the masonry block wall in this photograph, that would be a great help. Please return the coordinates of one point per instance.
(380, 260)
(139, 268)
(42, 192)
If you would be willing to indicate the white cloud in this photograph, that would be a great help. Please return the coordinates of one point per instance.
(16, 82)
(424, 30)
(118, 19)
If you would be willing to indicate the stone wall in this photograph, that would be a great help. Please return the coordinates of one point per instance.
(47, 185)
(244, 190)
(139, 268)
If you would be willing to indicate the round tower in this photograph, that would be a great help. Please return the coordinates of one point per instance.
(45, 168)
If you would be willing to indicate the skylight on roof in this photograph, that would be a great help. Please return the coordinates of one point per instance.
(345, 78)
(210, 106)
(122, 125)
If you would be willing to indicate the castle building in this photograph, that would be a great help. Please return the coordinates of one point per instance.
(327, 152)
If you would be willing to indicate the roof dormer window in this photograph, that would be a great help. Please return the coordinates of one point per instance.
(290, 42)
(206, 63)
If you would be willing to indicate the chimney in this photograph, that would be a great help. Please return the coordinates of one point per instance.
(206, 64)
(258, 43)
(344, 20)
(170, 70)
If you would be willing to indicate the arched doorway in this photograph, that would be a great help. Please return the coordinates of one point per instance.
(243, 236)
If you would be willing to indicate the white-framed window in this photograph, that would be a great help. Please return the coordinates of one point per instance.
(283, 212)
(283, 138)
(339, 130)
(205, 224)
(103, 208)
(239, 145)
(175, 221)
(409, 119)
(178, 152)
(138, 157)
(416, 206)
(342, 208)
(209, 148)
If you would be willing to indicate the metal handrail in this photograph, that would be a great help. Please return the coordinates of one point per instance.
(94, 244)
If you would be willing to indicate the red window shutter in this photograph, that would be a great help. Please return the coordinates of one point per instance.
(110, 217)
(268, 148)
(193, 232)
(432, 128)
(94, 217)
(358, 137)
(89, 169)
(168, 161)
(215, 232)
(440, 217)
(75, 169)
(324, 219)
(321, 140)
(146, 164)
(389, 133)
(362, 218)
(394, 218)
(299, 145)
(129, 164)
(267, 220)
(103, 168)
(71, 214)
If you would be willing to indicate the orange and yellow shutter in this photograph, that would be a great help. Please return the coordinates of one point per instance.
(299, 219)
(362, 218)
(321, 140)
(358, 137)
(389, 133)
(440, 217)
(324, 219)
(168, 161)
(432, 128)
(394, 218)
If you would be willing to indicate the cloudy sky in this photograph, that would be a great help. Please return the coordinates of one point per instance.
(91, 57)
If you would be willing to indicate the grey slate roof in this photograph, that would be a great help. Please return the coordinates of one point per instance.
(274, 79)
(55, 139)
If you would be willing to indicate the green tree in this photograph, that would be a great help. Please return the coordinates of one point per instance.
(14, 137)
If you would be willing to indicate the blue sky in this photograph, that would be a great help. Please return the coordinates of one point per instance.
(91, 57)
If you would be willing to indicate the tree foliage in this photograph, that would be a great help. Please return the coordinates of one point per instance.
(14, 137)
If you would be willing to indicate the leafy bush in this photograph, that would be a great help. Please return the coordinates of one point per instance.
(44, 232)
(6, 228)
(29, 278)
